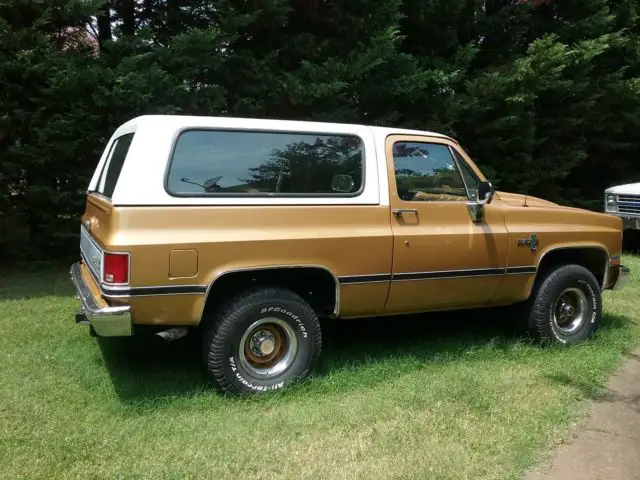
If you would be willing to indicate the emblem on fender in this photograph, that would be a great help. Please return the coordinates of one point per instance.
(532, 242)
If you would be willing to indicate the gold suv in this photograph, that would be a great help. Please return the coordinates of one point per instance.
(252, 231)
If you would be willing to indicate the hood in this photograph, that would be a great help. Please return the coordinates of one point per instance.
(628, 189)
(518, 200)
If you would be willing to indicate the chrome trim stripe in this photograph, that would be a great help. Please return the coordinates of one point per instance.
(521, 270)
(365, 279)
(121, 292)
(124, 292)
(436, 275)
(149, 291)
(480, 272)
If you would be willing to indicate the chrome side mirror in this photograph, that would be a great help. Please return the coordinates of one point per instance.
(476, 207)
(485, 192)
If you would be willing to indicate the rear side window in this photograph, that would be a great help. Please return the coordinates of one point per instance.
(113, 165)
(210, 162)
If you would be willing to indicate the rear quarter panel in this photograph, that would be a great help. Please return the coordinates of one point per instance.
(347, 240)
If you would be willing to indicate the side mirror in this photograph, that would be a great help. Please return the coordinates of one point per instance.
(476, 207)
(485, 192)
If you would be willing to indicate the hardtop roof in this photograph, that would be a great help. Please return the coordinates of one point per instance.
(235, 122)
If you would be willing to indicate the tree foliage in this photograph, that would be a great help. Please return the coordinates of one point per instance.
(544, 94)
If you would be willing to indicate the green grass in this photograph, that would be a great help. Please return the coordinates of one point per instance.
(444, 396)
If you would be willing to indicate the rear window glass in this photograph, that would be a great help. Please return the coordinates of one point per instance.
(113, 165)
(208, 162)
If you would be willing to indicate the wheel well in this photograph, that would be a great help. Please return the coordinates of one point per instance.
(593, 259)
(316, 285)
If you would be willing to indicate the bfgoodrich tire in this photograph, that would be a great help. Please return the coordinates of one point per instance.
(261, 340)
(566, 306)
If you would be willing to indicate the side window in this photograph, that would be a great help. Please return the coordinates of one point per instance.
(113, 165)
(210, 162)
(469, 176)
(427, 172)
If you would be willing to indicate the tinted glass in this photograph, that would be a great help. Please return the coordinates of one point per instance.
(427, 172)
(267, 163)
(113, 165)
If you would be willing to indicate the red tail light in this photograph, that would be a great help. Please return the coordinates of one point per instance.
(115, 268)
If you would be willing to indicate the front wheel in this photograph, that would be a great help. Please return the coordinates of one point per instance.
(261, 340)
(566, 306)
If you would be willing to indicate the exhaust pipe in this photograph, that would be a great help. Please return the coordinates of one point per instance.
(172, 334)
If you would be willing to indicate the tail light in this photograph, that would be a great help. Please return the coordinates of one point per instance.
(115, 268)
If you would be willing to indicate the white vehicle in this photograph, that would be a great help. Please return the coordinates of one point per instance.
(624, 202)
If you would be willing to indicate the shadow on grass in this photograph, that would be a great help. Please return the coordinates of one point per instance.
(146, 369)
(599, 391)
(27, 285)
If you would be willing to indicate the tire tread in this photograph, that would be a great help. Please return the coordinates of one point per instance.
(222, 320)
(536, 319)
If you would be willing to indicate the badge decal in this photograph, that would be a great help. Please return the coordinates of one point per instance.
(532, 241)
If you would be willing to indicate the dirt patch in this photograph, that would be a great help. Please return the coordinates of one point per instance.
(607, 445)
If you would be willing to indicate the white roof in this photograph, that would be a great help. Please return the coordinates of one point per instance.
(628, 189)
(186, 121)
(142, 179)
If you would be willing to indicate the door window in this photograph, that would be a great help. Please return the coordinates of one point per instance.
(427, 172)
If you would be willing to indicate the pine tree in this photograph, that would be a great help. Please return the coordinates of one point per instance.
(544, 94)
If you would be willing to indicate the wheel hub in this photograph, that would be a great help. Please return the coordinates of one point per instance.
(263, 343)
(268, 347)
(569, 311)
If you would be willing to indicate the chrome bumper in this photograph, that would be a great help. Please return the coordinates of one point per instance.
(106, 321)
(623, 277)
(629, 222)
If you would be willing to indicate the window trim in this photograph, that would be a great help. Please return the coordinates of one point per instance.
(427, 202)
(179, 132)
(107, 160)
(457, 159)
(107, 164)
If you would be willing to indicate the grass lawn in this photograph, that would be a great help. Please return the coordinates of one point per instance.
(442, 396)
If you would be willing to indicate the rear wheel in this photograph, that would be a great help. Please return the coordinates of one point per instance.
(565, 307)
(261, 340)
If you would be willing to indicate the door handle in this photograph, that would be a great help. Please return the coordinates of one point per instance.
(399, 211)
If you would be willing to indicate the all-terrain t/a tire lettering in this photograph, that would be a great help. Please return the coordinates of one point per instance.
(566, 306)
(261, 340)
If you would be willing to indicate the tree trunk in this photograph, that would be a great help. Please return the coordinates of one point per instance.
(104, 24)
(127, 13)
(173, 17)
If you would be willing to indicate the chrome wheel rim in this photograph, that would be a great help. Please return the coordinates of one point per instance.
(268, 347)
(569, 311)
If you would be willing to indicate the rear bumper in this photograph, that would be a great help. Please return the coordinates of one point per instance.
(621, 278)
(106, 321)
